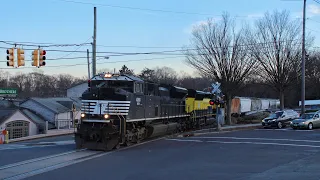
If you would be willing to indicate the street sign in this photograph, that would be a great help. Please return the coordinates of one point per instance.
(216, 88)
(8, 92)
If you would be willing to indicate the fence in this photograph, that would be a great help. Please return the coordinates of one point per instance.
(64, 124)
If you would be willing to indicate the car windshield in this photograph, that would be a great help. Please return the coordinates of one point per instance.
(275, 115)
(307, 116)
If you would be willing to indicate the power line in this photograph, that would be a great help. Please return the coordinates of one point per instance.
(33, 44)
(156, 52)
(141, 9)
(69, 65)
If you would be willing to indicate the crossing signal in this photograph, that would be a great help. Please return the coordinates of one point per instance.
(20, 57)
(211, 102)
(35, 58)
(42, 57)
(10, 57)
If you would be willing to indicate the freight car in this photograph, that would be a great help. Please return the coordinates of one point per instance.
(121, 109)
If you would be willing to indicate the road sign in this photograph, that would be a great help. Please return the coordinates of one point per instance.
(8, 92)
(216, 88)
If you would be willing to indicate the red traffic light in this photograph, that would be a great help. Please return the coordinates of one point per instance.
(43, 52)
(211, 102)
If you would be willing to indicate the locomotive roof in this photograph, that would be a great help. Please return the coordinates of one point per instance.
(119, 77)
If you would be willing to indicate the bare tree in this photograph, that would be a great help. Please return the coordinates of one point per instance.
(276, 44)
(218, 53)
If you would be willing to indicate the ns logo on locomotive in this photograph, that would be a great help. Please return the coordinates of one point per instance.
(121, 109)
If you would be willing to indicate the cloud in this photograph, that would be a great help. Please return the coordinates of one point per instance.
(314, 9)
(198, 24)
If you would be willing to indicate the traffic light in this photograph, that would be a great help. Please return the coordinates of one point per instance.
(42, 57)
(35, 58)
(211, 102)
(20, 57)
(10, 57)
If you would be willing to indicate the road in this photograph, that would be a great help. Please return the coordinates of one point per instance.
(242, 155)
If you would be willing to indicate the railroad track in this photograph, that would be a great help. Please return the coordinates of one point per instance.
(41, 165)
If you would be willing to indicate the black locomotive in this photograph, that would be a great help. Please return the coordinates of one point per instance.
(120, 109)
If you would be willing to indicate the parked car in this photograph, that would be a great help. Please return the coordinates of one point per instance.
(307, 120)
(280, 119)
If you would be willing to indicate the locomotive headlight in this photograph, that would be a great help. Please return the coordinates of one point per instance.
(83, 115)
(106, 116)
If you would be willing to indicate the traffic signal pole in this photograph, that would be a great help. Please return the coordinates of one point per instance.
(94, 45)
(303, 60)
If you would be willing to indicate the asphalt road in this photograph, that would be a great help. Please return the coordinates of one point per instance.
(21, 151)
(242, 155)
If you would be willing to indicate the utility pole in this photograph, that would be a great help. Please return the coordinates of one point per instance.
(94, 45)
(303, 64)
(88, 64)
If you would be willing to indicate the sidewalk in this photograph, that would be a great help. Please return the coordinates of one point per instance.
(224, 128)
(50, 133)
(62, 132)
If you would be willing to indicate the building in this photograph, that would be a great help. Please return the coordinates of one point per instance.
(311, 104)
(77, 90)
(17, 123)
(57, 111)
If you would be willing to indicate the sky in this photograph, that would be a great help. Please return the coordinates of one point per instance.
(123, 26)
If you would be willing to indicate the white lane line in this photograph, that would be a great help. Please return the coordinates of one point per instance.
(256, 143)
(265, 139)
(23, 147)
(298, 130)
(262, 143)
(184, 140)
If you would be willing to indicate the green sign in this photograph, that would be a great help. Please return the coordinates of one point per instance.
(8, 92)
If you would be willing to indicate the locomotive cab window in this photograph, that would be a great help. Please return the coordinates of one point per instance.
(138, 88)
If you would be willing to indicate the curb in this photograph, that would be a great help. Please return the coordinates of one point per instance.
(39, 137)
(222, 130)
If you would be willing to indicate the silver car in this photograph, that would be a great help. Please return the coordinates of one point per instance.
(308, 120)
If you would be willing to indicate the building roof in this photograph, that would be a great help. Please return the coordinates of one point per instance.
(36, 118)
(78, 84)
(6, 113)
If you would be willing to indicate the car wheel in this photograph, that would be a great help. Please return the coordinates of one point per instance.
(279, 125)
(310, 126)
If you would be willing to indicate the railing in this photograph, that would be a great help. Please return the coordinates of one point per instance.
(64, 123)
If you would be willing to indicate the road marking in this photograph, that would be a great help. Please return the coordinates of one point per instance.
(36, 159)
(243, 142)
(298, 130)
(14, 147)
(266, 139)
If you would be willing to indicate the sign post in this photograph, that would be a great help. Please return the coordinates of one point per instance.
(216, 89)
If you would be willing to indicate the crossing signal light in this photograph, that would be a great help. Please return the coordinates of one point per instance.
(10, 57)
(211, 102)
(20, 57)
(35, 58)
(42, 57)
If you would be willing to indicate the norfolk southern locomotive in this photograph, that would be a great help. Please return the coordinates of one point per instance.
(120, 109)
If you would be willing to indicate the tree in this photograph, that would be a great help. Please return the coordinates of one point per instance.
(276, 44)
(166, 75)
(217, 52)
(124, 69)
(148, 74)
